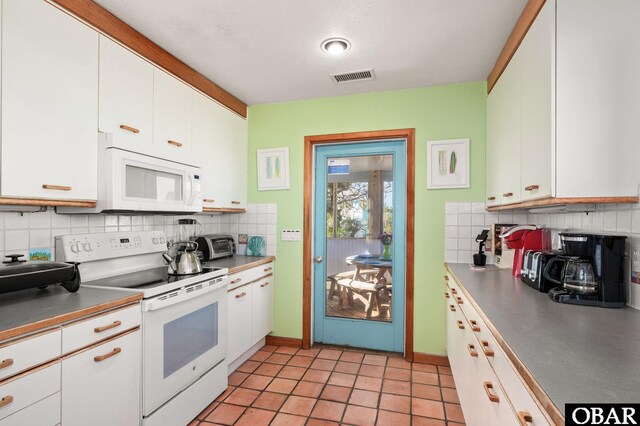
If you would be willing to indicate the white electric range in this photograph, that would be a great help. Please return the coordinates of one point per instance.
(184, 318)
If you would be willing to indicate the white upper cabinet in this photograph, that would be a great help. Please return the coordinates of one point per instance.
(537, 107)
(172, 110)
(49, 103)
(234, 166)
(208, 144)
(125, 97)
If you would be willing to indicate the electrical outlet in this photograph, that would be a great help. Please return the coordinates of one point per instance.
(290, 235)
(635, 264)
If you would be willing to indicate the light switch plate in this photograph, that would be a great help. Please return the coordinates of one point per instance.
(290, 235)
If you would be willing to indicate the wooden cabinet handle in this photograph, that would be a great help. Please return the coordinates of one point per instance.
(485, 348)
(488, 388)
(491, 198)
(174, 143)
(507, 194)
(236, 281)
(446, 278)
(472, 350)
(208, 200)
(531, 187)
(454, 291)
(107, 327)
(243, 294)
(446, 295)
(57, 187)
(524, 418)
(264, 284)
(452, 308)
(474, 326)
(6, 363)
(129, 129)
(101, 358)
(460, 325)
(6, 400)
(459, 300)
(268, 269)
(235, 202)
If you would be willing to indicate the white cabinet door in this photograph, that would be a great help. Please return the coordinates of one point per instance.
(537, 67)
(101, 385)
(494, 123)
(240, 306)
(507, 133)
(208, 138)
(235, 162)
(125, 97)
(49, 103)
(262, 312)
(172, 103)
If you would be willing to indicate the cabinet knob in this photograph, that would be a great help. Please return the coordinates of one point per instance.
(488, 388)
(459, 300)
(174, 143)
(524, 418)
(491, 198)
(101, 358)
(208, 200)
(6, 363)
(472, 350)
(243, 294)
(446, 295)
(267, 269)
(507, 194)
(264, 284)
(474, 326)
(446, 277)
(107, 327)
(531, 187)
(454, 291)
(57, 187)
(235, 202)
(6, 400)
(460, 325)
(452, 308)
(129, 128)
(485, 348)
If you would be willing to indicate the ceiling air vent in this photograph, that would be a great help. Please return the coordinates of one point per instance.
(349, 77)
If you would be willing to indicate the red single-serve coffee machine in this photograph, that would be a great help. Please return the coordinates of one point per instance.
(522, 238)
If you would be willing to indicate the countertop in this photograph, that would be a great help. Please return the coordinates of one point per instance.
(27, 311)
(239, 263)
(575, 353)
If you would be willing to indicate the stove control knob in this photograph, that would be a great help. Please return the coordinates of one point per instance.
(87, 247)
(75, 248)
(155, 240)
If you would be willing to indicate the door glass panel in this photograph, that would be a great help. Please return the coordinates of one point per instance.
(153, 184)
(359, 220)
(188, 337)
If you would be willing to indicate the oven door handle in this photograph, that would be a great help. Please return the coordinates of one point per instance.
(180, 295)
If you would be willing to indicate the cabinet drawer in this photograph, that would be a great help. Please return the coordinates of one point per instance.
(42, 413)
(250, 275)
(84, 333)
(29, 388)
(26, 353)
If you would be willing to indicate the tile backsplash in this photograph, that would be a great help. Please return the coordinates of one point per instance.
(20, 233)
(463, 223)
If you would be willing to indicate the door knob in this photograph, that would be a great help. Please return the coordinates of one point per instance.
(318, 259)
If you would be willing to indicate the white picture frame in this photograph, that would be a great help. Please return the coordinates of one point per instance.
(448, 164)
(273, 169)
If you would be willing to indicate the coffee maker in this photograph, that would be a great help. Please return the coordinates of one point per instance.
(592, 271)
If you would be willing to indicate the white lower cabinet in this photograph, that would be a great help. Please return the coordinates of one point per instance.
(101, 384)
(251, 303)
(491, 391)
(43, 413)
(26, 389)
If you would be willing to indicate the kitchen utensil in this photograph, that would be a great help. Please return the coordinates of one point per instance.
(522, 238)
(533, 274)
(189, 229)
(18, 274)
(183, 258)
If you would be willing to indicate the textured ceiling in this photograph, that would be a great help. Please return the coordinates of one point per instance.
(266, 51)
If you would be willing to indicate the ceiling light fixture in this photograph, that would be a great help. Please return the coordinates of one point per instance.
(335, 45)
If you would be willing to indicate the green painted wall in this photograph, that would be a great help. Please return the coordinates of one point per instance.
(443, 112)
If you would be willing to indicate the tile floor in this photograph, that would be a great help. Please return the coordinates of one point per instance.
(328, 386)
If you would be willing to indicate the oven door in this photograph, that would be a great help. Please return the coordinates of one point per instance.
(184, 336)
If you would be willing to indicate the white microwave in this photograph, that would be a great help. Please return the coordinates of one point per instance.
(134, 182)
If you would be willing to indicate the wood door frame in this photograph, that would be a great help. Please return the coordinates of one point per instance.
(307, 287)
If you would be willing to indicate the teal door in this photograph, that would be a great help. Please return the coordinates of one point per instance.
(359, 282)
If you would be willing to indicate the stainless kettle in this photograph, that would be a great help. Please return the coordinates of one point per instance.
(183, 258)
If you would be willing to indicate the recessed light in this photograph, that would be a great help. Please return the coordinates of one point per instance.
(335, 45)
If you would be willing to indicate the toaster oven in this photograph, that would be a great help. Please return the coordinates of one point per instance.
(216, 246)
